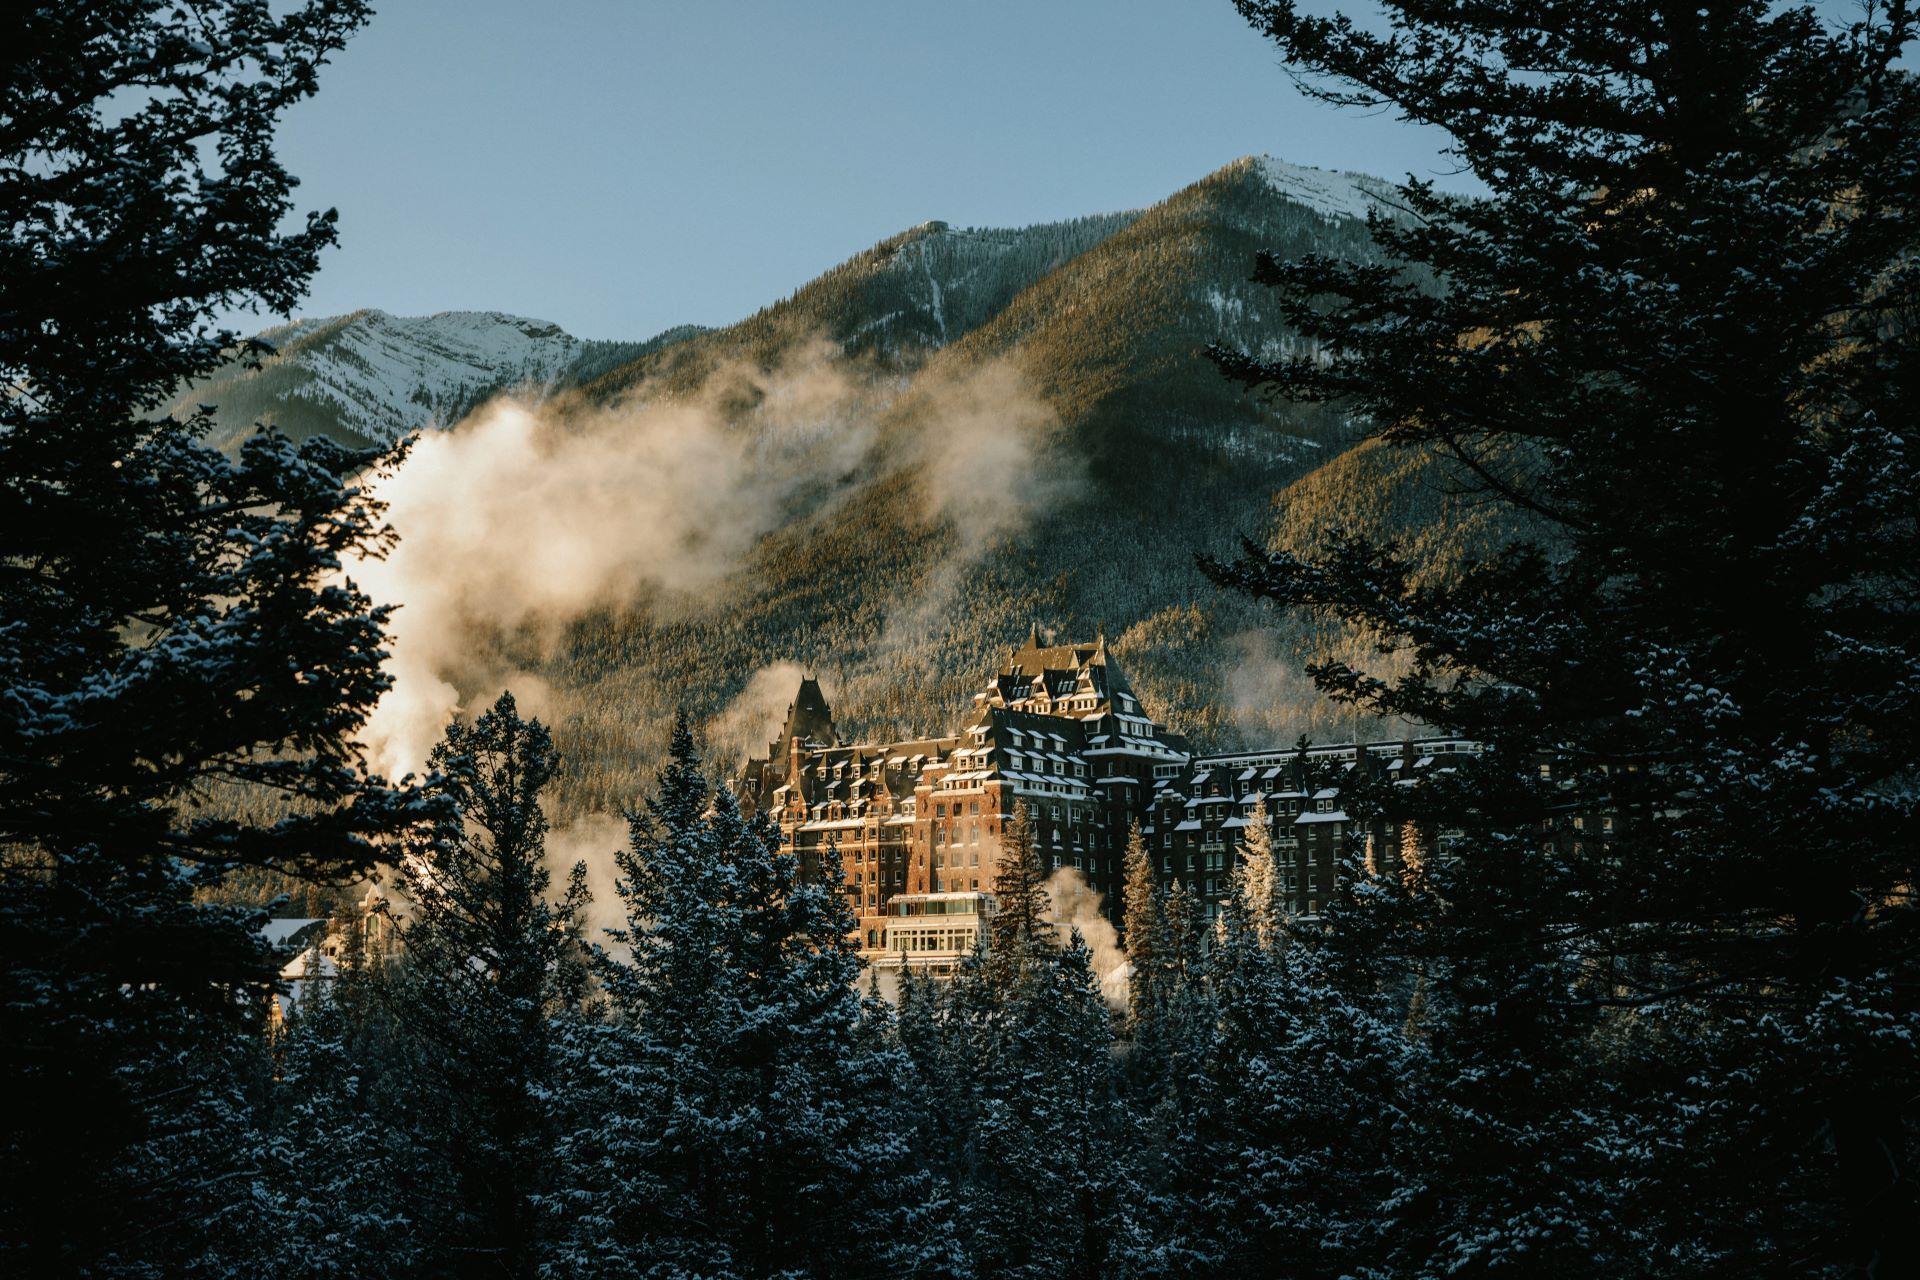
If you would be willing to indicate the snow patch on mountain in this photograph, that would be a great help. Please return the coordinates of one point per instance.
(387, 375)
(1330, 193)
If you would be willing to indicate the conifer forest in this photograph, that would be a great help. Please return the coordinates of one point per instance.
(1347, 726)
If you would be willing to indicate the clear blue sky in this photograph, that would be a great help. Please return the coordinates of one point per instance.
(623, 167)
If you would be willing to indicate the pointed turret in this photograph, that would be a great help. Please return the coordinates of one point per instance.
(809, 719)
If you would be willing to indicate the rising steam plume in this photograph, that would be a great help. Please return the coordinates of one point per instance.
(523, 519)
(527, 518)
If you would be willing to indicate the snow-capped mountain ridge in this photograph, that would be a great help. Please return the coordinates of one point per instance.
(388, 375)
(1101, 321)
(1331, 193)
(370, 377)
(373, 377)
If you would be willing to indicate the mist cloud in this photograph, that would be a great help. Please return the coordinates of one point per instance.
(756, 713)
(591, 839)
(1076, 905)
(1270, 693)
(524, 519)
(984, 470)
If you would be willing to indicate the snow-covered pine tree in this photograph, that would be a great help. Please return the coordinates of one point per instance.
(490, 963)
(341, 1186)
(916, 1224)
(1257, 882)
(1053, 1190)
(1294, 1163)
(1177, 1050)
(821, 1163)
(1143, 905)
(1677, 341)
(1021, 926)
(743, 1123)
(1167, 1088)
(1184, 937)
(171, 620)
(644, 1155)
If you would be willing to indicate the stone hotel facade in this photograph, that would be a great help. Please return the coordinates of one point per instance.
(1058, 728)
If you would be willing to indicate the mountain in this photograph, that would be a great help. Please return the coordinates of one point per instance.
(1042, 439)
(1107, 321)
(370, 378)
(912, 293)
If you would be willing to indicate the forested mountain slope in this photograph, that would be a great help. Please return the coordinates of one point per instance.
(1155, 457)
(1018, 425)
(912, 292)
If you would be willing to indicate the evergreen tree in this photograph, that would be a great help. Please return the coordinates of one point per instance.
(1295, 1155)
(172, 621)
(931, 1112)
(645, 1149)
(1143, 904)
(1184, 935)
(1677, 342)
(1169, 1088)
(491, 962)
(205, 1152)
(346, 1166)
(1052, 1191)
(1257, 885)
(738, 1119)
(1020, 927)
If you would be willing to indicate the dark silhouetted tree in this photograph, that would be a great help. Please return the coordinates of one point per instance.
(172, 622)
(1672, 947)
(491, 964)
